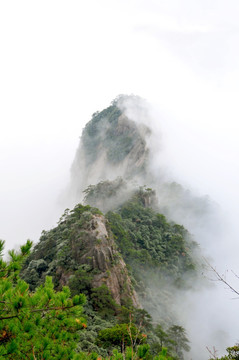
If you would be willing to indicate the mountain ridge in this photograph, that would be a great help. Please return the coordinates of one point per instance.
(120, 242)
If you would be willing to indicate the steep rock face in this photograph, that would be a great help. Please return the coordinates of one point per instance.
(99, 251)
(111, 145)
(82, 239)
(117, 143)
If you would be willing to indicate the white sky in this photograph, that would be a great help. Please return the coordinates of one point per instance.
(63, 60)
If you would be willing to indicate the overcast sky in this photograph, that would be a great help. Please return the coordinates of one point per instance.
(63, 60)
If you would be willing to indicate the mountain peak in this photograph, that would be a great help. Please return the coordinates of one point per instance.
(111, 145)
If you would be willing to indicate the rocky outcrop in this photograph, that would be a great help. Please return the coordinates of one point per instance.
(82, 239)
(101, 254)
(111, 146)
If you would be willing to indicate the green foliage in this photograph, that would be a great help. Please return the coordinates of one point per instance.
(105, 128)
(95, 323)
(140, 317)
(162, 336)
(146, 238)
(11, 269)
(105, 194)
(46, 324)
(57, 248)
(146, 241)
(81, 281)
(179, 340)
(174, 339)
(95, 131)
(103, 302)
(233, 354)
(37, 325)
(120, 335)
(163, 355)
(141, 352)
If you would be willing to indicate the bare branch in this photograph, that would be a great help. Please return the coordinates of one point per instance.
(220, 278)
(235, 274)
(212, 353)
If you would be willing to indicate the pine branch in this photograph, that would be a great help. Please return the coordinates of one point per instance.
(40, 310)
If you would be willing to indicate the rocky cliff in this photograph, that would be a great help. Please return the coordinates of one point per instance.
(116, 144)
(111, 146)
(88, 249)
(123, 246)
(82, 240)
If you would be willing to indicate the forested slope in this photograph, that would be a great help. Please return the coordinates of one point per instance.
(118, 247)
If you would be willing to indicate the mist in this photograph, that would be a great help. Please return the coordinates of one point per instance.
(62, 62)
(195, 158)
(206, 310)
(207, 207)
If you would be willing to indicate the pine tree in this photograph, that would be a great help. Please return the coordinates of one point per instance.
(179, 340)
(35, 325)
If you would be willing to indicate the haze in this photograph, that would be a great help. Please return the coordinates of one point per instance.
(61, 61)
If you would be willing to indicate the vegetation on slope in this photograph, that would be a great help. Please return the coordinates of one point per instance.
(39, 325)
(45, 324)
(41, 316)
(54, 251)
(144, 239)
(112, 134)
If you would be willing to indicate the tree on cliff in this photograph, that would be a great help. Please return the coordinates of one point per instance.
(179, 340)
